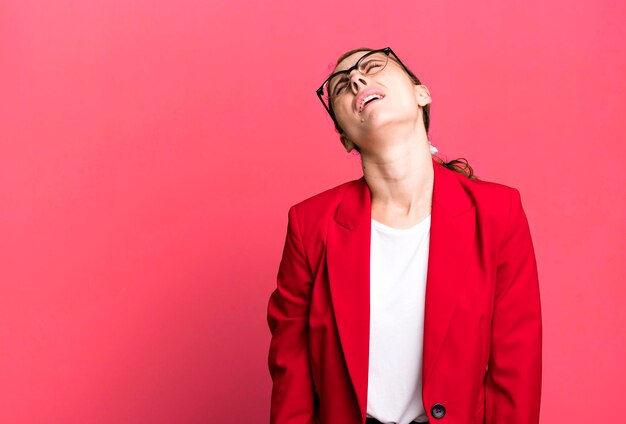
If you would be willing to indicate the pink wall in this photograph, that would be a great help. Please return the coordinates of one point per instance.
(149, 152)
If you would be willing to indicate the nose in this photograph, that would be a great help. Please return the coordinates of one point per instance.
(356, 78)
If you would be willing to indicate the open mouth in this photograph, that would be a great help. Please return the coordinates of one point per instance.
(367, 96)
(370, 101)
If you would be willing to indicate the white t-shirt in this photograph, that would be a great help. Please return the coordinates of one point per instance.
(399, 262)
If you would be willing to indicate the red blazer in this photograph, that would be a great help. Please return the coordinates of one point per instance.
(482, 324)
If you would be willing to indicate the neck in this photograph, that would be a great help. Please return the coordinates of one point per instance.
(400, 179)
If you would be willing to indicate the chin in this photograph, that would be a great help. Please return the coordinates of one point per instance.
(377, 118)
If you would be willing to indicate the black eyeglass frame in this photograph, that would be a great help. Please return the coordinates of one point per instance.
(386, 50)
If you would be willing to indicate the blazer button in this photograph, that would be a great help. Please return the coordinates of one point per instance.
(438, 410)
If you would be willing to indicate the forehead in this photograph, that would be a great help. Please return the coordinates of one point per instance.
(349, 61)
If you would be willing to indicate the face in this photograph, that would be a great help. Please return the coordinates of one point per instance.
(400, 107)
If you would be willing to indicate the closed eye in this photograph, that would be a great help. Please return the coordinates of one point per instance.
(341, 85)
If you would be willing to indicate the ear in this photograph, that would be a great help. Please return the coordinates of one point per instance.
(422, 95)
(346, 143)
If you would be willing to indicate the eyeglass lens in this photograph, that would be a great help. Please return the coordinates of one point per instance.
(370, 65)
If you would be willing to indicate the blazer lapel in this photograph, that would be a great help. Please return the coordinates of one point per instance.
(348, 262)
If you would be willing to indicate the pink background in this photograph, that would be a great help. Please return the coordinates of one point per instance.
(149, 152)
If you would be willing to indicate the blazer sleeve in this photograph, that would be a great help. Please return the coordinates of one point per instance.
(513, 380)
(292, 399)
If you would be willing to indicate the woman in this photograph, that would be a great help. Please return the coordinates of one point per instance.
(410, 294)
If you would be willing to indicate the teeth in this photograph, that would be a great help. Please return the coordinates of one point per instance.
(371, 96)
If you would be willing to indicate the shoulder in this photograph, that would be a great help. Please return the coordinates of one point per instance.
(314, 212)
(487, 194)
(495, 202)
(323, 201)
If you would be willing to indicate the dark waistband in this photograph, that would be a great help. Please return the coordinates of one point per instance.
(370, 420)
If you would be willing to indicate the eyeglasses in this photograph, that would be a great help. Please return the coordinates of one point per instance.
(369, 64)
